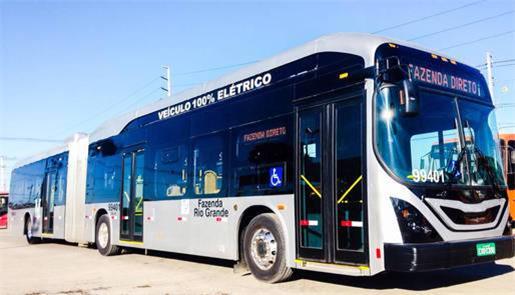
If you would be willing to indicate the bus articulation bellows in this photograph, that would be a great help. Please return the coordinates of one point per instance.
(333, 157)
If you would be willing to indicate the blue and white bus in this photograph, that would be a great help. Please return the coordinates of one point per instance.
(317, 159)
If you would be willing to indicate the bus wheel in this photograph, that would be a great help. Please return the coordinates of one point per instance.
(264, 249)
(103, 237)
(28, 232)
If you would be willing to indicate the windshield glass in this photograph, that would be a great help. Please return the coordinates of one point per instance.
(426, 147)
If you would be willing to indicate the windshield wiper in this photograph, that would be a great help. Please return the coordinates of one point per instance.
(484, 163)
(455, 166)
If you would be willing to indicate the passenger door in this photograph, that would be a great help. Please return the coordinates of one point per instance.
(330, 196)
(48, 202)
(131, 203)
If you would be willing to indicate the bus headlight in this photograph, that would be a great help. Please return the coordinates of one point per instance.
(413, 225)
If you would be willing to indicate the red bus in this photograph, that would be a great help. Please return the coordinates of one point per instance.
(3, 209)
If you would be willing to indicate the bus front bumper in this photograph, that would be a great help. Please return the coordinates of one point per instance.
(444, 255)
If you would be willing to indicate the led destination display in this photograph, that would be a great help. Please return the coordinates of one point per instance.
(445, 80)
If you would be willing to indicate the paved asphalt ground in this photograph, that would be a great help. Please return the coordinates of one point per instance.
(52, 268)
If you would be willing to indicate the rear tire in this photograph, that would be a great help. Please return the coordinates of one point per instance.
(28, 232)
(265, 250)
(103, 237)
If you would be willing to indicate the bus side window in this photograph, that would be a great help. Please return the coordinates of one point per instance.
(171, 171)
(61, 182)
(90, 176)
(208, 158)
(103, 177)
(262, 156)
(15, 194)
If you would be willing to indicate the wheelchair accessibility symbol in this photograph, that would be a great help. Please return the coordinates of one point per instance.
(276, 176)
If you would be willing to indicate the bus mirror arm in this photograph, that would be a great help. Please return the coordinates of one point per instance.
(399, 74)
(410, 98)
(360, 74)
(365, 73)
(390, 70)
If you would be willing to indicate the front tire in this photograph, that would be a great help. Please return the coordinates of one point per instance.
(265, 250)
(103, 237)
(28, 232)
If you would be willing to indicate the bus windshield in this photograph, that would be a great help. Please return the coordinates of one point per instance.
(430, 148)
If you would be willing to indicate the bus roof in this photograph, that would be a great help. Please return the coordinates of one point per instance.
(360, 44)
(51, 152)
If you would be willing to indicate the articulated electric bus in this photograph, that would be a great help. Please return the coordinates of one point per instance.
(310, 159)
(508, 158)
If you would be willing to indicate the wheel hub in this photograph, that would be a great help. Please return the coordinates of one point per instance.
(263, 248)
(103, 235)
(29, 229)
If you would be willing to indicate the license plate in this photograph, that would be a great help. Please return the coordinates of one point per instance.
(485, 249)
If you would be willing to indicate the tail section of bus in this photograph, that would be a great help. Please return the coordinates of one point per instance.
(44, 197)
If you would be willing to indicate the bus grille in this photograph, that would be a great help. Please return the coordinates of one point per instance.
(459, 217)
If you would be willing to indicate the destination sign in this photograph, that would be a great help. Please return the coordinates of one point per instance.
(216, 96)
(264, 134)
(445, 80)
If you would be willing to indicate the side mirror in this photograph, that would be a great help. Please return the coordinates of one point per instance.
(512, 156)
(422, 164)
(391, 71)
(404, 93)
(409, 98)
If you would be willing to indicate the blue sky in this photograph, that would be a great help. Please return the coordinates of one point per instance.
(68, 66)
